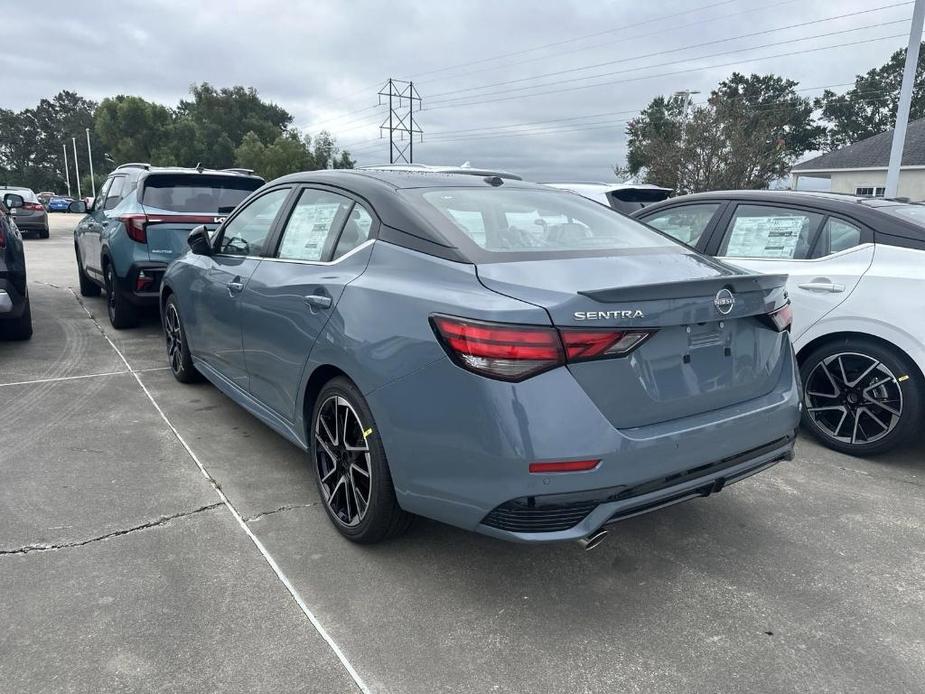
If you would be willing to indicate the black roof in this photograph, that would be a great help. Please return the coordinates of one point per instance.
(865, 210)
(872, 153)
(403, 221)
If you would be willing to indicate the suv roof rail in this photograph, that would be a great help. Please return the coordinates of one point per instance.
(243, 172)
(134, 165)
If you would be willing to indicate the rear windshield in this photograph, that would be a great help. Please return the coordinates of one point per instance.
(196, 192)
(529, 220)
(911, 213)
(25, 193)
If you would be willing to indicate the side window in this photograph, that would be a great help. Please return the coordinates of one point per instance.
(100, 200)
(114, 194)
(686, 223)
(247, 233)
(315, 219)
(356, 231)
(764, 231)
(837, 235)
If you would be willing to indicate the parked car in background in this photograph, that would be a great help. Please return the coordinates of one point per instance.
(31, 218)
(139, 223)
(45, 196)
(60, 203)
(15, 310)
(490, 353)
(623, 197)
(856, 282)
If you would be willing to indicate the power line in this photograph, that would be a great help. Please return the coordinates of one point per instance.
(689, 47)
(453, 103)
(576, 38)
(660, 32)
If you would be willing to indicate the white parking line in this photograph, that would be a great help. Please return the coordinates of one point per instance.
(75, 378)
(237, 516)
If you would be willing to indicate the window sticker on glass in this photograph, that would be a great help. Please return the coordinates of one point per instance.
(308, 230)
(765, 237)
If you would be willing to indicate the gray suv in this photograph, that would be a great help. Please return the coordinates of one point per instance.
(32, 217)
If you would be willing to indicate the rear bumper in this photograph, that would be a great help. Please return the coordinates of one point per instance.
(459, 447)
(150, 293)
(33, 223)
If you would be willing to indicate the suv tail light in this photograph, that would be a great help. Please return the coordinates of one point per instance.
(780, 319)
(136, 226)
(515, 352)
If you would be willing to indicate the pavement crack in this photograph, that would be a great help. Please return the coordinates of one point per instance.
(288, 507)
(163, 520)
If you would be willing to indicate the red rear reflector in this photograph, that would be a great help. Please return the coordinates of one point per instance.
(135, 227)
(565, 466)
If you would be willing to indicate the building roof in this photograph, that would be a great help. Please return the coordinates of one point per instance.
(872, 153)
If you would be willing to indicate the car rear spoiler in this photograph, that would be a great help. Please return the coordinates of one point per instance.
(707, 286)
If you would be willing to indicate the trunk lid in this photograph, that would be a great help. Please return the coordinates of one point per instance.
(705, 352)
(167, 232)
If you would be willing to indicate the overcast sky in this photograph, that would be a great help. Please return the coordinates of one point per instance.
(324, 61)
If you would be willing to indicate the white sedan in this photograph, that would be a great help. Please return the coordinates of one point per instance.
(856, 271)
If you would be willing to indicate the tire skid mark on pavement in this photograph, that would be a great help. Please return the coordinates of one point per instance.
(296, 596)
(163, 520)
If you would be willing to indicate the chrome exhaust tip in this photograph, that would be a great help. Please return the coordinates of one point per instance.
(593, 540)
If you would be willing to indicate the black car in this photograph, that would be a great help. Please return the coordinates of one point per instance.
(15, 313)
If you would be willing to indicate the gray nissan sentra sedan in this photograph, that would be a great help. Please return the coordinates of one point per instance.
(494, 354)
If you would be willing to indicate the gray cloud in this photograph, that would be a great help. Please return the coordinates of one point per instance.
(322, 60)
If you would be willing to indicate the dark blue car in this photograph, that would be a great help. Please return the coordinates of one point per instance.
(59, 204)
(502, 356)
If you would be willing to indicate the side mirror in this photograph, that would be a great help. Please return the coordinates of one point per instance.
(199, 241)
(12, 200)
(78, 206)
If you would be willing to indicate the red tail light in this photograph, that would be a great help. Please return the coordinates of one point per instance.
(515, 352)
(2, 236)
(36, 206)
(136, 227)
(780, 319)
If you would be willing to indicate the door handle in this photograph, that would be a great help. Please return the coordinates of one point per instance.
(318, 301)
(235, 286)
(830, 287)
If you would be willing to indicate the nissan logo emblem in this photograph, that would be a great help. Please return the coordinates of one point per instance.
(724, 301)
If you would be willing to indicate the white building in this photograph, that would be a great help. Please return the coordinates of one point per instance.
(860, 169)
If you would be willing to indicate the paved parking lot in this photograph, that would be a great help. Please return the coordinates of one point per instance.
(123, 569)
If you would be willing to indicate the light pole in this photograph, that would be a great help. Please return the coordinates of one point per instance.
(90, 156)
(67, 173)
(76, 168)
(905, 100)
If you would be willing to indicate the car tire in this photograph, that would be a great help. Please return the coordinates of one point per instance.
(18, 328)
(861, 397)
(341, 456)
(87, 286)
(122, 314)
(178, 354)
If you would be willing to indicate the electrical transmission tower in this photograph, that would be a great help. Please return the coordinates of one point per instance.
(403, 98)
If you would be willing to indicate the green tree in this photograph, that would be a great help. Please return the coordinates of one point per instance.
(869, 108)
(749, 132)
(133, 129)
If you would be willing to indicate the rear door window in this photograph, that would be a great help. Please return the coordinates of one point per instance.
(197, 193)
(766, 231)
(114, 194)
(837, 235)
(686, 223)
